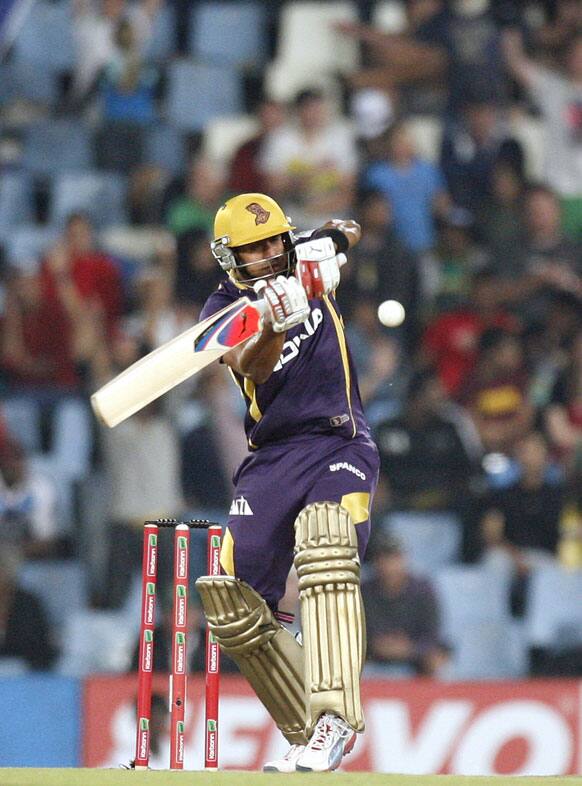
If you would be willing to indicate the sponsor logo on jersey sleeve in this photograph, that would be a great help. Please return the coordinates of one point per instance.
(340, 465)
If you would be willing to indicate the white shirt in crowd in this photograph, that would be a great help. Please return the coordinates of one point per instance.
(33, 501)
(322, 159)
(560, 102)
(94, 36)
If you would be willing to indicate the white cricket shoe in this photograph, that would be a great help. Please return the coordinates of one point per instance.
(287, 763)
(332, 739)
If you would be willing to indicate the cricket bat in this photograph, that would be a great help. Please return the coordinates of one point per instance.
(177, 360)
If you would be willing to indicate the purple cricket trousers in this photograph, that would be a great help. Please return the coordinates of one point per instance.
(275, 483)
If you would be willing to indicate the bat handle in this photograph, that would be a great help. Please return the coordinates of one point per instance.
(260, 304)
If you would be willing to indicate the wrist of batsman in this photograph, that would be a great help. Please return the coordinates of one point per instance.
(339, 239)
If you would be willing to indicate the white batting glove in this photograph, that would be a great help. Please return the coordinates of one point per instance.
(286, 301)
(318, 266)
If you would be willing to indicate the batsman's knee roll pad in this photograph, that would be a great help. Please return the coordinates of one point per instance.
(266, 653)
(328, 567)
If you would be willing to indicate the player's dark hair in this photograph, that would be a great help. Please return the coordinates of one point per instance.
(305, 96)
(493, 338)
(366, 195)
(420, 380)
(78, 215)
(538, 187)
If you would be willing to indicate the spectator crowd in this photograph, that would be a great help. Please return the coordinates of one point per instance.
(429, 141)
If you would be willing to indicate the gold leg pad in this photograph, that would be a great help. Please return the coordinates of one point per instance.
(328, 567)
(265, 652)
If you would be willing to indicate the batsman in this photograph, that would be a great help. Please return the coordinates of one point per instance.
(303, 493)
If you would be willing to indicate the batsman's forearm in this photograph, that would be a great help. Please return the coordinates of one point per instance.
(257, 358)
(350, 229)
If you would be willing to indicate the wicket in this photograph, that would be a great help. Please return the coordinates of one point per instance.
(179, 634)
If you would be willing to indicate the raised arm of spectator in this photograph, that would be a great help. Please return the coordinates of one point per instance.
(421, 60)
(81, 7)
(521, 67)
(563, 434)
(441, 203)
(13, 353)
(151, 7)
(58, 266)
(368, 34)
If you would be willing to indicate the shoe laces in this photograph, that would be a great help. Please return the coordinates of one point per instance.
(323, 731)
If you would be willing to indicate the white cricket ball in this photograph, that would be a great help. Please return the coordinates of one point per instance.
(391, 313)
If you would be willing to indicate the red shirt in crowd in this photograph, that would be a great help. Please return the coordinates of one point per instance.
(95, 276)
(45, 328)
(451, 342)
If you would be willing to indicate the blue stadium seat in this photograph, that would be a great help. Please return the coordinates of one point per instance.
(55, 146)
(198, 93)
(471, 594)
(430, 540)
(228, 33)
(100, 194)
(554, 608)
(60, 584)
(72, 441)
(489, 650)
(161, 45)
(26, 245)
(15, 201)
(118, 147)
(165, 147)
(105, 646)
(46, 37)
(22, 417)
(476, 623)
(21, 80)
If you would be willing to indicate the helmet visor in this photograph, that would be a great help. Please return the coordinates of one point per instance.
(264, 268)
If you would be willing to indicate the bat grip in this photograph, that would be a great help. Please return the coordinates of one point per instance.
(260, 304)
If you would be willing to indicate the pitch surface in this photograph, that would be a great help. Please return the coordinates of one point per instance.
(100, 777)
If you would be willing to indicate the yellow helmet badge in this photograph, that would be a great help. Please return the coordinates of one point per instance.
(261, 215)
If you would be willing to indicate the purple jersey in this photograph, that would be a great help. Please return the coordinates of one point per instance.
(313, 388)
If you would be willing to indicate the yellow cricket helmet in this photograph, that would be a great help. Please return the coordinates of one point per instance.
(247, 218)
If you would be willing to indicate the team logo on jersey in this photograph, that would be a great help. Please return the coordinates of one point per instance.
(240, 507)
(261, 215)
(291, 347)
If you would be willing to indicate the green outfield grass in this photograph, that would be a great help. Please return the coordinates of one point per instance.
(84, 777)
